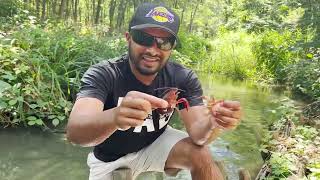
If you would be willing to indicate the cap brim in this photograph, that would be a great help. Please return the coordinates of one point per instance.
(143, 26)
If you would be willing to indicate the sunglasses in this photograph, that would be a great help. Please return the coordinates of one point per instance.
(145, 39)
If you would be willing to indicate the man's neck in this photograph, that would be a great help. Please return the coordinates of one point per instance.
(145, 79)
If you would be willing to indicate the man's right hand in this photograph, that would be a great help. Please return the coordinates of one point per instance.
(134, 108)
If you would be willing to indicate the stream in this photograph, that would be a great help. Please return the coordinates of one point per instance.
(31, 154)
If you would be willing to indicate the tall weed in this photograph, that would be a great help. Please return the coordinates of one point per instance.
(276, 50)
(231, 55)
(40, 69)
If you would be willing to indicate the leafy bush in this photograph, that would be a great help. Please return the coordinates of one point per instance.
(194, 47)
(9, 8)
(274, 51)
(40, 69)
(292, 147)
(232, 56)
(304, 77)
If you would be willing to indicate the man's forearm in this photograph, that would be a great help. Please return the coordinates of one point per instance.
(91, 130)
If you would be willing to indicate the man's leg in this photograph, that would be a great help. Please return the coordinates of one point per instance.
(100, 170)
(173, 151)
(186, 155)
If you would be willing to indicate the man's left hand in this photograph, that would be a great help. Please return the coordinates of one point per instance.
(227, 114)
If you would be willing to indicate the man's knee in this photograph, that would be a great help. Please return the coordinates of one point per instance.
(187, 155)
(197, 154)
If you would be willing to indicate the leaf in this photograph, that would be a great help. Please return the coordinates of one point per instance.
(13, 102)
(55, 122)
(309, 55)
(3, 105)
(61, 118)
(39, 122)
(52, 116)
(32, 118)
(33, 106)
(31, 123)
(20, 98)
(40, 103)
(4, 86)
(10, 77)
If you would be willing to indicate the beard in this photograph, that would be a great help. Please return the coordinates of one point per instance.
(137, 62)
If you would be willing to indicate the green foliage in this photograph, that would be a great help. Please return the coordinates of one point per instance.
(292, 147)
(263, 15)
(40, 69)
(195, 47)
(281, 166)
(304, 77)
(9, 8)
(307, 132)
(231, 55)
(182, 59)
(274, 51)
(314, 168)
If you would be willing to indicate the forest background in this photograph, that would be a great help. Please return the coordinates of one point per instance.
(46, 46)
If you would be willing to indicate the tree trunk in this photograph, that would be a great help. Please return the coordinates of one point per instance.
(182, 13)
(54, 7)
(93, 10)
(193, 15)
(75, 11)
(43, 13)
(175, 4)
(96, 20)
(112, 7)
(87, 12)
(121, 14)
(62, 8)
(67, 9)
(38, 8)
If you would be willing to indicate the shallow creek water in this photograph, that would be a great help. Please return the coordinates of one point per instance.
(32, 154)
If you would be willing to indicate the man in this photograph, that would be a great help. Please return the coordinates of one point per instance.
(117, 108)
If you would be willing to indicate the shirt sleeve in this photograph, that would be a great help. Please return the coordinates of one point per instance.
(192, 90)
(96, 83)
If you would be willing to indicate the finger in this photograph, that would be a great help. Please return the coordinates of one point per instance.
(155, 101)
(136, 103)
(133, 113)
(231, 104)
(228, 112)
(226, 122)
(125, 121)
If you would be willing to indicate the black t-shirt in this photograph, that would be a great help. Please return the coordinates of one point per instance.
(111, 80)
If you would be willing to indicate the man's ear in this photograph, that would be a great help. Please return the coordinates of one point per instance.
(127, 34)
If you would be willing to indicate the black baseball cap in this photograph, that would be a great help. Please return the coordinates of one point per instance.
(150, 15)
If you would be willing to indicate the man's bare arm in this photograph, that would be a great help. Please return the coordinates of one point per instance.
(89, 125)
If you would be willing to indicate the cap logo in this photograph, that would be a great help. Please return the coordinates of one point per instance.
(161, 14)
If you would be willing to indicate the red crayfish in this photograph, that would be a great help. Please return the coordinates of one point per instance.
(171, 96)
(210, 102)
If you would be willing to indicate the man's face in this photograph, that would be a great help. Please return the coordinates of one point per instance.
(148, 60)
